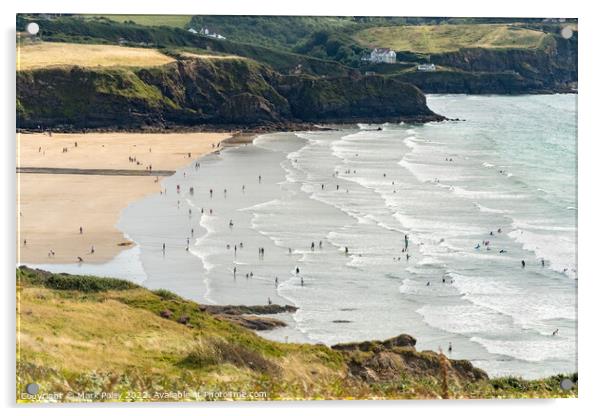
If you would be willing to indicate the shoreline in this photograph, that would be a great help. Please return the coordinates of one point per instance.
(67, 181)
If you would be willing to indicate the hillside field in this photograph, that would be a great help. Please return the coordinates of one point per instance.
(48, 54)
(448, 38)
(171, 20)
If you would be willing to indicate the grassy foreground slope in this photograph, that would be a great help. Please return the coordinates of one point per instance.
(448, 38)
(49, 54)
(112, 340)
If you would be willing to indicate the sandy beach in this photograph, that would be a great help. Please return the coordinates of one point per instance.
(51, 207)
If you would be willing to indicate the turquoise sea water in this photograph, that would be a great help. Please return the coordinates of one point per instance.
(510, 165)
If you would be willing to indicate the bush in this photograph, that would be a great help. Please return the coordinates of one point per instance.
(65, 281)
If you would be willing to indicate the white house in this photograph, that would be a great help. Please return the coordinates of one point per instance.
(385, 55)
(427, 68)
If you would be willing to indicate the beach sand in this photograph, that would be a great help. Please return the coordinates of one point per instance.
(51, 207)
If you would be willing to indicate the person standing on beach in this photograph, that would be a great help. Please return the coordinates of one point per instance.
(259, 178)
(449, 348)
(406, 240)
(163, 248)
(522, 262)
(81, 230)
(297, 270)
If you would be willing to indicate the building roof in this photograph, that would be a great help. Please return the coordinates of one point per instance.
(382, 50)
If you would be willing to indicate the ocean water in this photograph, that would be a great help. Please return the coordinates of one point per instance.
(474, 198)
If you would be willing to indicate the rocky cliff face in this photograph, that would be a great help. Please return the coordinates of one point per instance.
(550, 68)
(196, 92)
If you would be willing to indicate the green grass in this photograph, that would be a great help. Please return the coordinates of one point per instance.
(170, 20)
(446, 38)
(101, 336)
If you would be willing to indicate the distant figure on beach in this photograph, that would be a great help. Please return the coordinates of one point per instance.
(92, 250)
(428, 283)
(79, 259)
(522, 262)
(407, 256)
(290, 250)
(210, 211)
(192, 232)
(231, 224)
(259, 178)
(297, 270)
(337, 187)
(225, 192)
(320, 244)
(276, 282)
(555, 332)
(189, 212)
(191, 190)
(269, 301)
(24, 242)
(499, 230)
(163, 248)
(502, 251)
(178, 188)
(243, 189)
(346, 250)
(543, 263)
(322, 186)
(449, 348)
(234, 270)
(302, 283)
(406, 241)
(81, 230)
(211, 193)
(312, 246)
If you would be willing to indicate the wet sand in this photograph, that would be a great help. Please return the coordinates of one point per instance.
(52, 206)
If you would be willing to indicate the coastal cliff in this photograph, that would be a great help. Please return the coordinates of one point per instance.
(551, 68)
(192, 92)
(122, 338)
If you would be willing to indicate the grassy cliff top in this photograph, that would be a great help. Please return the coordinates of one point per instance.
(447, 38)
(97, 335)
(170, 20)
(52, 54)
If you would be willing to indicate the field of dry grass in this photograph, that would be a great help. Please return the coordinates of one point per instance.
(445, 38)
(171, 20)
(208, 56)
(48, 54)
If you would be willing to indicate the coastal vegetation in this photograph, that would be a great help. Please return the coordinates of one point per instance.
(472, 55)
(171, 20)
(195, 91)
(447, 38)
(116, 341)
(49, 54)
